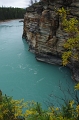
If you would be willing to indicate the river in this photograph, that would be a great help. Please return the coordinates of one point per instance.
(21, 76)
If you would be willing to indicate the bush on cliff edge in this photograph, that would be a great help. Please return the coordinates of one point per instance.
(19, 110)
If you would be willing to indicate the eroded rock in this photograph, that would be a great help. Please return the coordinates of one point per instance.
(43, 31)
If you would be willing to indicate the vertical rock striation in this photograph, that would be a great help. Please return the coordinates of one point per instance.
(44, 34)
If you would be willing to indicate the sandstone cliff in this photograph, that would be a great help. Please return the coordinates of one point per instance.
(43, 31)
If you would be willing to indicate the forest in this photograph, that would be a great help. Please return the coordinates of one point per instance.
(11, 13)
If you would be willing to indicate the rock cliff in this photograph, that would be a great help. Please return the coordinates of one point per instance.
(44, 34)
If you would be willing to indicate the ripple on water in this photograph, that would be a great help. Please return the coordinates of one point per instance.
(21, 76)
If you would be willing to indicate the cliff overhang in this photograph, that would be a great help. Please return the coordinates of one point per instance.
(43, 32)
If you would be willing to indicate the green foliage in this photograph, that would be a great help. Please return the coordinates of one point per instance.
(14, 110)
(11, 109)
(70, 25)
(65, 57)
(68, 110)
(77, 87)
(6, 108)
(11, 13)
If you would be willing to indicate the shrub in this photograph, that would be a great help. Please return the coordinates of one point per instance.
(19, 110)
(70, 25)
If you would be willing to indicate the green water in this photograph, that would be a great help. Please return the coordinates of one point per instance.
(21, 76)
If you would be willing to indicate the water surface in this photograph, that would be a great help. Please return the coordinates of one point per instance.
(21, 76)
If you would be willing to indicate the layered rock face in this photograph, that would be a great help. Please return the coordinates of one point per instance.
(43, 31)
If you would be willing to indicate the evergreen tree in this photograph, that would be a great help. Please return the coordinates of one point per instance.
(11, 13)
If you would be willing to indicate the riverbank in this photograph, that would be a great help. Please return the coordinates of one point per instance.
(1, 21)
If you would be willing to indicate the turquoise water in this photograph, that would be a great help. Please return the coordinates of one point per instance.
(21, 76)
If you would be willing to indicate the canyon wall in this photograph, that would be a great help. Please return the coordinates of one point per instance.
(44, 34)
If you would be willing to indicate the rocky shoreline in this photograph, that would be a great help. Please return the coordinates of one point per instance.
(20, 20)
(43, 32)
